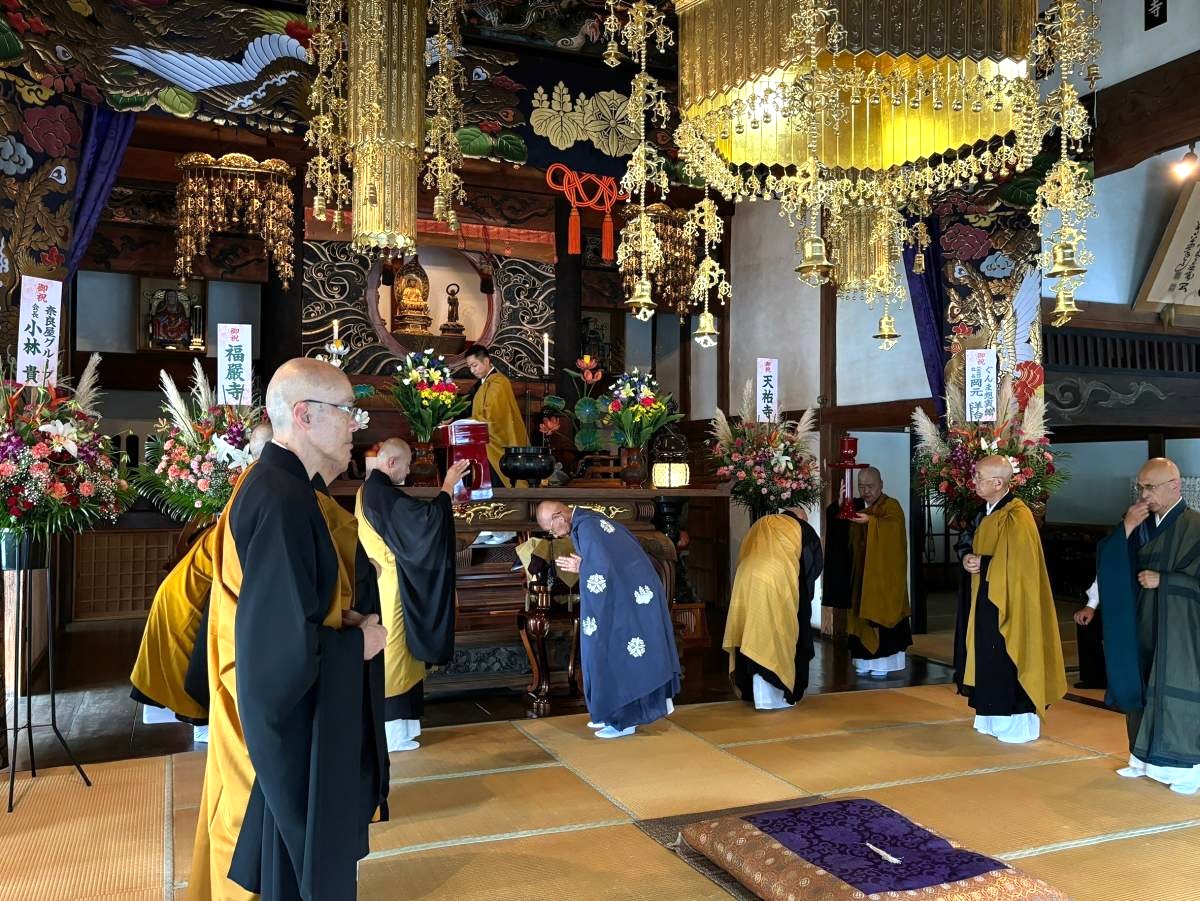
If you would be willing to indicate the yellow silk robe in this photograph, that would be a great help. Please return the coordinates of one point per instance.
(400, 668)
(1017, 583)
(228, 773)
(879, 550)
(765, 602)
(172, 628)
(496, 405)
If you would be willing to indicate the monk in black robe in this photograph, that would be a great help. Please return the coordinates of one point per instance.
(411, 541)
(297, 766)
(768, 632)
(1008, 655)
(1149, 580)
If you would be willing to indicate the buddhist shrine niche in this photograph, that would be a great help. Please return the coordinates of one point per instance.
(172, 317)
(410, 299)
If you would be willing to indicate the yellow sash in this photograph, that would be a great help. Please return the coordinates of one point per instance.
(401, 669)
(228, 772)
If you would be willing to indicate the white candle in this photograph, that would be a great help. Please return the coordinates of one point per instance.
(335, 330)
(545, 353)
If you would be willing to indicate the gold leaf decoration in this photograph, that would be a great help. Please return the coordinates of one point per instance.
(607, 123)
(558, 118)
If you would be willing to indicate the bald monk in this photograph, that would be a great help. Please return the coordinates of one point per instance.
(170, 676)
(1149, 584)
(1008, 656)
(411, 543)
(630, 664)
(494, 402)
(297, 763)
(768, 633)
(877, 624)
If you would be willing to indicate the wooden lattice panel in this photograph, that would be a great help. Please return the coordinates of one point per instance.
(117, 571)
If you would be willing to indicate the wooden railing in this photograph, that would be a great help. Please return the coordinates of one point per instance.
(1100, 350)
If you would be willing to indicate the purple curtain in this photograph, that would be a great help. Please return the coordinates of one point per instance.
(928, 294)
(106, 135)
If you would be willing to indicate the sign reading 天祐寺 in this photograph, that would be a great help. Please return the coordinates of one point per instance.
(981, 384)
(234, 364)
(766, 392)
(37, 342)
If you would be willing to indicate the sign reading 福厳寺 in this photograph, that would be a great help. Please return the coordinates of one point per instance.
(234, 364)
(981, 384)
(766, 389)
(37, 340)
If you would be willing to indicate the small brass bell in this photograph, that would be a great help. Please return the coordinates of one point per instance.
(612, 55)
(1064, 262)
(887, 335)
(1064, 307)
(640, 303)
(706, 332)
(919, 263)
(318, 207)
(814, 268)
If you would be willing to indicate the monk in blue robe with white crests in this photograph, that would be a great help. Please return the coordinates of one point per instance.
(1149, 581)
(630, 663)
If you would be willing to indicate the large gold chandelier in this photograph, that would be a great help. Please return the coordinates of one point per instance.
(672, 271)
(369, 111)
(852, 114)
(234, 193)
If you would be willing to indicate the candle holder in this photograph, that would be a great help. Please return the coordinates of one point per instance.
(847, 464)
(335, 353)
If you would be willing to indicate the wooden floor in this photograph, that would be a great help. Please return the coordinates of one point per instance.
(541, 809)
(101, 722)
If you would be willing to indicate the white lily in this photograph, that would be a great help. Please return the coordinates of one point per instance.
(62, 435)
(230, 455)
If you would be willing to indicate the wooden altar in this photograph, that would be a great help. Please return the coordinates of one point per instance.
(493, 602)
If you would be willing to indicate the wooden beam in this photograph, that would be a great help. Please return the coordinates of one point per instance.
(894, 414)
(828, 348)
(1119, 318)
(1147, 114)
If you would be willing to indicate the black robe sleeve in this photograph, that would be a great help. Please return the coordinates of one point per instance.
(420, 534)
(300, 691)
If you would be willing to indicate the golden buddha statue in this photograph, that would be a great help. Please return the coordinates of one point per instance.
(410, 316)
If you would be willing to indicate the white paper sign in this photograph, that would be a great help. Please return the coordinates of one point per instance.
(766, 389)
(981, 385)
(37, 343)
(234, 372)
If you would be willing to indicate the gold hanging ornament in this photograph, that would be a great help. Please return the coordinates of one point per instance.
(887, 336)
(706, 333)
(644, 25)
(445, 156)
(235, 193)
(1064, 305)
(670, 272)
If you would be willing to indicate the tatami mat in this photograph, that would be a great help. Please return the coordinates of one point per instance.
(1088, 727)
(187, 779)
(734, 722)
(615, 862)
(487, 805)
(468, 749)
(658, 771)
(67, 841)
(999, 813)
(861, 759)
(1156, 867)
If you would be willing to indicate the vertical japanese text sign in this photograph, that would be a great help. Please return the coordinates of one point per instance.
(981, 385)
(37, 343)
(766, 389)
(233, 364)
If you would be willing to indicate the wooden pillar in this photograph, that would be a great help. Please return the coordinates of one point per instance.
(685, 364)
(568, 299)
(281, 312)
(916, 548)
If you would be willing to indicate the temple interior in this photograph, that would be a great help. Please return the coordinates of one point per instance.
(850, 348)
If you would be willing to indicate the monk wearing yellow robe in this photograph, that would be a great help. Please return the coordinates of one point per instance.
(297, 765)
(411, 543)
(768, 633)
(877, 623)
(171, 670)
(160, 673)
(495, 404)
(1008, 655)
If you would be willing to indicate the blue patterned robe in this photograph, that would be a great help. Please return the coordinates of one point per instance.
(630, 665)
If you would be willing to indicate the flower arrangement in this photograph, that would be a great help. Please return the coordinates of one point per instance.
(591, 409)
(636, 409)
(198, 451)
(56, 472)
(425, 392)
(944, 465)
(772, 464)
